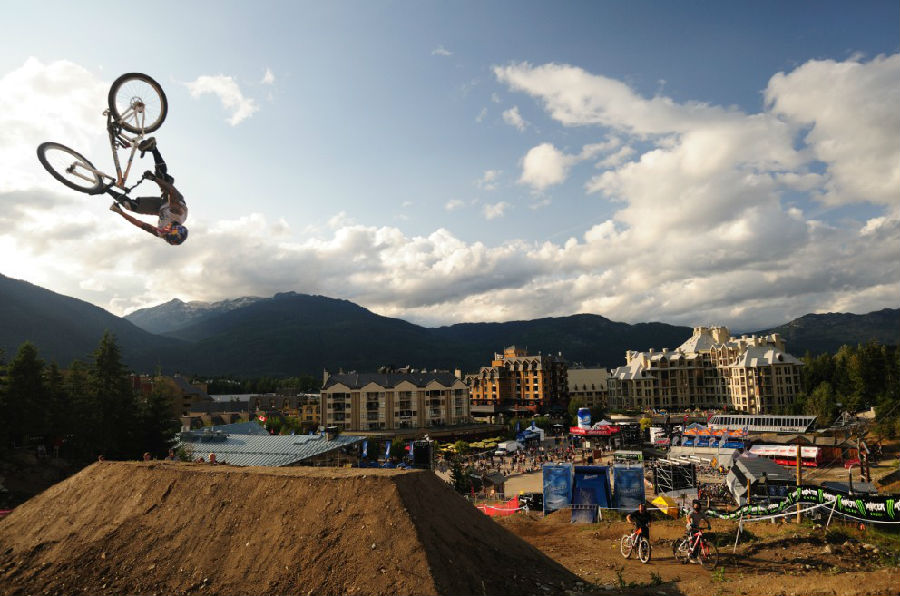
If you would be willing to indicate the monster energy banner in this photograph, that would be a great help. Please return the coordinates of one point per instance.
(873, 508)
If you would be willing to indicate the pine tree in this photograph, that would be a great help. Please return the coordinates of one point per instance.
(157, 422)
(26, 395)
(110, 386)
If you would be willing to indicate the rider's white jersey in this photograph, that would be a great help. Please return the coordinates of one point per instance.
(168, 217)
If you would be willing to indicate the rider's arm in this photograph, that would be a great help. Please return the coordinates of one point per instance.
(136, 222)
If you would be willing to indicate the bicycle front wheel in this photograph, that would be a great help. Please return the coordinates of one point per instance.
(137, 103)
(709, 555)
(625, 545)
(71, 168)
(681, 550)
(644, 550)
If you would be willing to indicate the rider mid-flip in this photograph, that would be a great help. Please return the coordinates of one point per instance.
(169, 206)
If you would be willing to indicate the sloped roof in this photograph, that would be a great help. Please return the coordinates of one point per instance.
(359, 380)
(755, 356)
(754, 468)
(633, 370)
(700, 342)
(263, 450)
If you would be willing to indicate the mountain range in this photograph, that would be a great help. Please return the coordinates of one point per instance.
(291, 334)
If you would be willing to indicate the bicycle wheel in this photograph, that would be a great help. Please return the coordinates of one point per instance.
(644, 550)
(708, 555)
(681, 550)
(137, 103)
(626, 545)
(71, 168)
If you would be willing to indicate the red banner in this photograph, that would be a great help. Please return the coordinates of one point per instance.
(600, 431)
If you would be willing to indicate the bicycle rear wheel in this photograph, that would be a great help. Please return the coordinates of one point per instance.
(137, 103)
(625, 545)
(644, 550)
(71, 168)
(708, 555)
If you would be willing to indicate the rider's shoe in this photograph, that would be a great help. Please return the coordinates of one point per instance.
(148, 144)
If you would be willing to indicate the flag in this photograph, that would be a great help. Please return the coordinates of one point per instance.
(517, 427)
(387, 449)
(411, 449)
(365, 452)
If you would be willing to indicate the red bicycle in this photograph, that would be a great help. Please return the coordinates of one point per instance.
(705, 551)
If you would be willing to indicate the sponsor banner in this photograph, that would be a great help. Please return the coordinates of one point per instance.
(873, 508)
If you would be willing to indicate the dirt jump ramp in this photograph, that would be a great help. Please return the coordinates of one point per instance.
(180, 528)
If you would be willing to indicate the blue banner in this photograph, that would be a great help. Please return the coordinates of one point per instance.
(628, 487)
(365, 452)
(412, 450)
(557, 480)
(590, 491)
(387, 449)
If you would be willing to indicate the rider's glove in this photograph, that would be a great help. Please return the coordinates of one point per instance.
(148, 175)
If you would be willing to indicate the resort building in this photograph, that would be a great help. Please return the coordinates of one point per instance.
(520, 385)
(394, 400)
(589, 386)
(709, 370)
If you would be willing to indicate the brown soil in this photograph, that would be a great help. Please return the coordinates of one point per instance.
(173, 528)
(770, 559)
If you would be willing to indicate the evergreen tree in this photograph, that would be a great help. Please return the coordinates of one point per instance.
(59, 406)
(821, 403)
(85, 422)
(110, 387)
(25, 395)
(157, 421)
(5, 437)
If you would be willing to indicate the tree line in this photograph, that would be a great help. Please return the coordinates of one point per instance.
(87, 410)
(850, 380)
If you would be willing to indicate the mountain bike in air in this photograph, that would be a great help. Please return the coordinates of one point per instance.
(137, 106)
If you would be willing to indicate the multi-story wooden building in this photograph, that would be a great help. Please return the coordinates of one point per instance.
(520, 385)
(709, 370)
(589, 386)
(395, 400)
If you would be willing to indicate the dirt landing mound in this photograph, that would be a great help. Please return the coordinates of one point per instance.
(143, 528)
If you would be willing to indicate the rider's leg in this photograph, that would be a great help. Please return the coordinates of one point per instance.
(144, 205)
(161, 170)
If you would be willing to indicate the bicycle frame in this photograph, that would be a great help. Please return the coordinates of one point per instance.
(697, 540)
(117, 139)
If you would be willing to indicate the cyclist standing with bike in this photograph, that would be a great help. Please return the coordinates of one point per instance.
(695, 517)
(169, 206)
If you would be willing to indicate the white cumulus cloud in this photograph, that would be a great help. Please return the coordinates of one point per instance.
(514, 118)
(229, 93)
(495, 210)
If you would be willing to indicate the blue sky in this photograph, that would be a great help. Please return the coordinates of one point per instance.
(695, 162)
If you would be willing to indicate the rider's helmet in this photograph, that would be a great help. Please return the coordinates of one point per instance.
(697, 504)
(175, 234)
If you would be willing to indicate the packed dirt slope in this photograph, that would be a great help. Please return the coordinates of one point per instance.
(177, 528)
